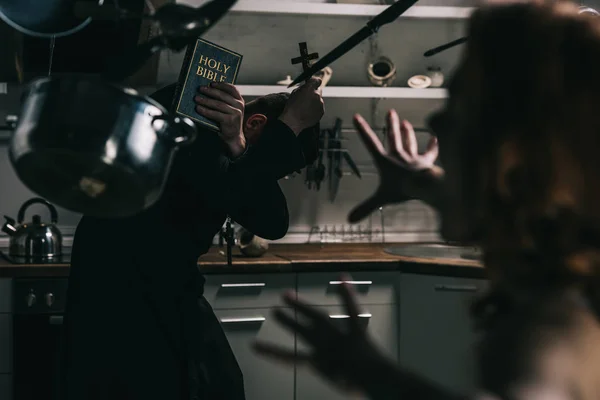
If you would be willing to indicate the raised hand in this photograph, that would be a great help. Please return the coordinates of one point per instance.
(344, 355)
(404, 174)
(223, 103)
(305, 107)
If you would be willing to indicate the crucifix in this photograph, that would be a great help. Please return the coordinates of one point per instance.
(304, 58)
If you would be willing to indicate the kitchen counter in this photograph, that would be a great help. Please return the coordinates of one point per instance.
(295, 258)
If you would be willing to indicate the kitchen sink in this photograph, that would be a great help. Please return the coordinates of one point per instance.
(436, 251)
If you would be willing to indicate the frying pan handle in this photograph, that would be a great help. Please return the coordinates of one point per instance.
(181, 131)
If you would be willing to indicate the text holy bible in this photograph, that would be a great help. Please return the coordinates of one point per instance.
(204, 62)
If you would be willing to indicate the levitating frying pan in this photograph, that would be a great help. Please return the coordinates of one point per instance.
(45, 18)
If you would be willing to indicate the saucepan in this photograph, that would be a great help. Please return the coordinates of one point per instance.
(95, 147)
(47, 18)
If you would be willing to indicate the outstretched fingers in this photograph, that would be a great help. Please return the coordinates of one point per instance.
(304, 308)
(432, 152)
(347, 294)
(364, 209)
(409, 139)
(393, 133)
(368, 137)
(293, 325)
(279, 353)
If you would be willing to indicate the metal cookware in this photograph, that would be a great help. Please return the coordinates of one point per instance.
(381, 72)
(93, 147)
(46, 19)
(35, 239)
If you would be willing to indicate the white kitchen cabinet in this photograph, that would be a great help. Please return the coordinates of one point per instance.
(436, 335)
(381, 320)
(247, 290)
(6, 387)
(263, 378)
(370, 287)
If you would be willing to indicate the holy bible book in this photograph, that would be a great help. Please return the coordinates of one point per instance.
(204, 62)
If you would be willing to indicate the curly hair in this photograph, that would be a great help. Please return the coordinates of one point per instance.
(524, 110)
(528, 107)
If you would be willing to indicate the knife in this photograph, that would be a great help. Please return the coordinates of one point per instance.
(445, 47)
(351, 164)
(336, 170)
(320, 172)
(388, 15)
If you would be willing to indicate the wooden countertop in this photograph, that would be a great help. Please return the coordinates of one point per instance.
(293, 258)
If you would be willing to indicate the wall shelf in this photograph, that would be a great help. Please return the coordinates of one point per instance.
(339, 9)
(348, 92)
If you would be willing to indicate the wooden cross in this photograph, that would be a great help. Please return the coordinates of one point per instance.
(304, 58)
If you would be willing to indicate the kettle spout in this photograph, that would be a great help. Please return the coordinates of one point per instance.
(9, 226)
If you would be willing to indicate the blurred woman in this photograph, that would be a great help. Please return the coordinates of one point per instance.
(518, 138)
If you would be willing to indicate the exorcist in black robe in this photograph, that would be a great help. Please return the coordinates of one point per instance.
(136, 324)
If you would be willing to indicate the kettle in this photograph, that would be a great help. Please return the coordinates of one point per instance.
(35, 238)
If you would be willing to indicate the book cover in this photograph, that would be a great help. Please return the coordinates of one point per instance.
(204, 62)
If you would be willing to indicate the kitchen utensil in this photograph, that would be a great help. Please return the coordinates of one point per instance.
(381, 72)
(251, 245)
(351, 163)
(444, 47)
(388, 15)
(436, 76)
(93, 147)
(36, 238)
(286, 81)
(419, 81)
(178, 25)
(45, 19)
(320, 169)
(335, 170)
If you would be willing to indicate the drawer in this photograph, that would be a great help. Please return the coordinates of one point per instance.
(6, 387)
(263, 378)
(5, 295)
(247, 290)
(369, 287)
(381, 325)
(5, 343)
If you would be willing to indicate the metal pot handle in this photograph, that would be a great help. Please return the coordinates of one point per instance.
(38, 200)
(185, 128)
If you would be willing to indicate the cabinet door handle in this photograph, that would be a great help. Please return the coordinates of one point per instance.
(340, 316)
(55, 320)
(239, 285)
(351, 282)
(456, 288)
(241, 320)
